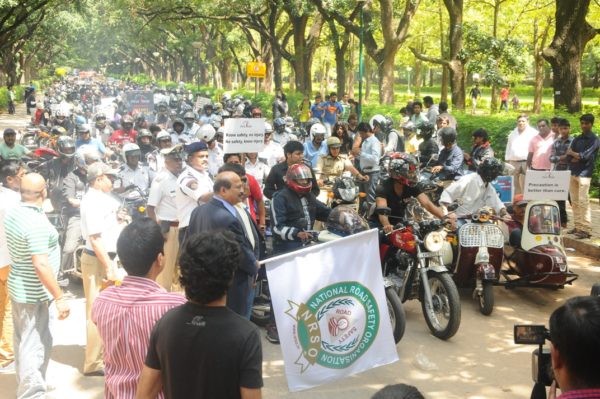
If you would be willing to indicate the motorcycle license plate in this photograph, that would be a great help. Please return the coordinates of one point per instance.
(429, 254)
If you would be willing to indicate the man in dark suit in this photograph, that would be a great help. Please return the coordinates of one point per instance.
(221, 213)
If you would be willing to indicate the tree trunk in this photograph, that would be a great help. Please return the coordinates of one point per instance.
(385, 71)
(445, 79)
(572, 33)
(538, 85)
(418, 78)
(350, 66)
(494, 98)
(340, 69)
(457, 80)
(226, 73)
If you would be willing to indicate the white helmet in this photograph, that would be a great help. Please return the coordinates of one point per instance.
(317, 128)
(130, 149)
(377, 120)
(268, 127)
(206, 132)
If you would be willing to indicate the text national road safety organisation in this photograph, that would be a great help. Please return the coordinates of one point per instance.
(331, 311)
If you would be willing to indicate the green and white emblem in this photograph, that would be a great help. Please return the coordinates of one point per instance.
(335, 326)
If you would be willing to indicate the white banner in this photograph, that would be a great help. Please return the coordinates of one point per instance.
(331, 311)
(244, 135)
(547, 185)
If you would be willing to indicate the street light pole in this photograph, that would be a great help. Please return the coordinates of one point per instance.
(360, 63)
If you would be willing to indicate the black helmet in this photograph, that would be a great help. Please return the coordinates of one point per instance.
(65, 146)
(404, 168)
(344, 221)
(489, 169)
(279, 125)
(448, 135)
(426, 131)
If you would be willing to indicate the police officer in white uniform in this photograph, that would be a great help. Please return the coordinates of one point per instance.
(133, 174)
(163, 209)
(194, 185)
(207, 134)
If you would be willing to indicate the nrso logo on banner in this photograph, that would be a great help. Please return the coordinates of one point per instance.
(331, 311)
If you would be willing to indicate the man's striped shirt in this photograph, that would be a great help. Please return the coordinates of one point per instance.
(125, 316)
(29, 232)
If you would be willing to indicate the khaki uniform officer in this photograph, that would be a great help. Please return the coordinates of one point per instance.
(163, 209)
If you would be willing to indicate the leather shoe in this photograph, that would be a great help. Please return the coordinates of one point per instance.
(97, 373)
(582, 235)
(572, 231)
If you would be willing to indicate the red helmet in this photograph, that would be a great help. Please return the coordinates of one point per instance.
(404, 168)
(296, 172)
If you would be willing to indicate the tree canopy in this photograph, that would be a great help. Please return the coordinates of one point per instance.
(307, 44)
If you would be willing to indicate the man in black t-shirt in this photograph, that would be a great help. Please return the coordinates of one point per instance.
(202, 349)
(393, 192)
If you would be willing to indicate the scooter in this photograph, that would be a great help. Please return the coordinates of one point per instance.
(540, 259)
(412, 259)
(480, 254)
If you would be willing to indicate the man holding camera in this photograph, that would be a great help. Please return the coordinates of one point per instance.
(575, 336)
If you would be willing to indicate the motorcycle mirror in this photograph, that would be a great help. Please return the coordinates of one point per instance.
(452, 207)
(435, 157)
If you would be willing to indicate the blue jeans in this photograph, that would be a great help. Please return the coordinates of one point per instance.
(32, 344)
(369, 187)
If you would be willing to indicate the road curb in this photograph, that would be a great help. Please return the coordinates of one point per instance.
(585, 247)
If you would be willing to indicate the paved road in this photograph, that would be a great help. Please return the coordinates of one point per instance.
(481, 361)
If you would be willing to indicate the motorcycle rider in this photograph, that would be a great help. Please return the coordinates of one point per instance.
(59, 168)
(208, 117)
(74, 186)
(394, 191)
(290, 208)
(475, 191)
(132, 174)
(10, 149)
(162, 114)
(191, 127)
(450, 161)
(125, 133)
(334, 163)
(428, 148)
(156, 159)
(480, 151)
(178, 135)
(294, 154)
(272, 152)
(315, 148)
(101, 129)
(144, 141)
(84, 137)
(207, 134)
(411, 139)
(280, 134)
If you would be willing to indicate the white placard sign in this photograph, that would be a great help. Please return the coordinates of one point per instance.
(244, 135)
(546, 185)
(331, 310)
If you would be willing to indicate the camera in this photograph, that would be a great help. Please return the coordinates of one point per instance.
(541, 363)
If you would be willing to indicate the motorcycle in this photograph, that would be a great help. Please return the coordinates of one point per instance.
(135, 204)
(412, 260)
(480, 247)
(341, 191)
(540, 260)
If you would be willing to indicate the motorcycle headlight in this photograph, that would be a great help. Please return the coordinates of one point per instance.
(434, 241)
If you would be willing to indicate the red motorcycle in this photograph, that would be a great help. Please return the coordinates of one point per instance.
(412, 262)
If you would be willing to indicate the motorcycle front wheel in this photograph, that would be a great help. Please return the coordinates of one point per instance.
(444, 319)
(396, 311)
(486, 299)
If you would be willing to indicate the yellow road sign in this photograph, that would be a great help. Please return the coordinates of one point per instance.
(256, 69)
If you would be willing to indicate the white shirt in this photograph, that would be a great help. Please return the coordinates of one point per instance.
(473, 193)
(215, 159)
(241, 210)
(517, 146)
(139, 177)
(271, 154)
(162, 196)
(370, 153)
(182, 138)
(99, 216)
(258, 170)
(187, 197)
(8, 199)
